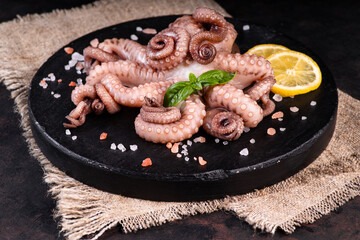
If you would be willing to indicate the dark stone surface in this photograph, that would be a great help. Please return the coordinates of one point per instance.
(330, 30)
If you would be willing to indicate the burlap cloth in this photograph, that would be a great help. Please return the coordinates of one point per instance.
(329, 182)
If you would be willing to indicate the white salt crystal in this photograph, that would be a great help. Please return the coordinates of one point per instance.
(252, 141)
(121, 147)
(312, 103)
(280, 119)
(78, 72)
(133, 147)
(113, 146)
(77, 56)
(56, 95)
(244, 152)
(188, 142)
(225, 142)
(187, 158)
(195, 158)
(72, 63)
(217, 140)
(303, 118)
(294, 109)
(282, 129)
(139, 29)
(67, 67)
(67, 132)
(134, 37)
(178, 155)
(246, 129)
(74, 137)
(44, 85)
(52, 92)
(52, 77)
(246, 27)
(277, 98)
(79, 81)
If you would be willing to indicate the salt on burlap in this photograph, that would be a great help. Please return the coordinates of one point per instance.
(327, 183)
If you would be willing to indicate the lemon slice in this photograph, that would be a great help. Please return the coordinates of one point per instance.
(266, 50)
(295, 73)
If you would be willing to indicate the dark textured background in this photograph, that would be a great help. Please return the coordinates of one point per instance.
(331, 30)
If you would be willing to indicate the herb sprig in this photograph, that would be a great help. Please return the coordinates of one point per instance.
(181, 90)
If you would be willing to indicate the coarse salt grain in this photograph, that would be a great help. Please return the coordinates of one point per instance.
(277, 98)
(244, 152)
(133, 147)
(146, 162)
(271, 131)
(303, 118)
(282, 129)
(312, 103)
(67, 67)
(56, 95)
(225, 142)
(202, 162)
(52, 77)
(43, 84)
(78, 72)
(188, 142)
(74, 137)
(52, 92)
(113, 146)
(187, 158)
(195, 158)
(178, 155)
(139, 29)
(199, 139)
(246, 129)
(278, 114)
(72, 63)
(280, 119)
(246, 27)
(77, 56)
(294, 109)
(217, 140)
(252, 141)
(134, 37)
(121, 147)
(67, 132)
(149, 31)
(79, 81)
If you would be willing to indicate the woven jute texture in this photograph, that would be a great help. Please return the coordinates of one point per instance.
(327, 183)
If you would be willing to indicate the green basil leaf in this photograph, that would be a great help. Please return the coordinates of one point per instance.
(192, 78)
(214, 77)
(197, 85)
(177, 92)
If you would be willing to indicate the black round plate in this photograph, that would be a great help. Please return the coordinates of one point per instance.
(90, 160)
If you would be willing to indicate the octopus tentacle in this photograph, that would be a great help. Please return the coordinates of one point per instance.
(81, 92)
(223, 124)
(134, 96)
(153, 112)
(130, 73)
(248, 68)
(191, 119)
(110, 105)
(126, 49)
(206, 54)
(261, 90)
(78, 115)
(91, 53)
(189, 23)
(233, 99)
(168, 48)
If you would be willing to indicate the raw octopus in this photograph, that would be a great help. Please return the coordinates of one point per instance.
(122, 72)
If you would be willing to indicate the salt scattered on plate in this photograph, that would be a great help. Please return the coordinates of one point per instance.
(303, 118)
(277, 98)
(134, 37)
(244, 152)
(217, 140)
(246, 129)
(313, 103)
(294, 109)
(133, 147)
(67, 132)
(225, 142)
(282, 129)
(252, 141)
(121, 147)
(74, 137)
(139, 29)
(246, 27)
(113, 146)
(56, 95)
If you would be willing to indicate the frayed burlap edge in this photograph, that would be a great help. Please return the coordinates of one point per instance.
(83, 210)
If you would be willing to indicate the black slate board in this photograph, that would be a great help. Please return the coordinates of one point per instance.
(271, 158)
